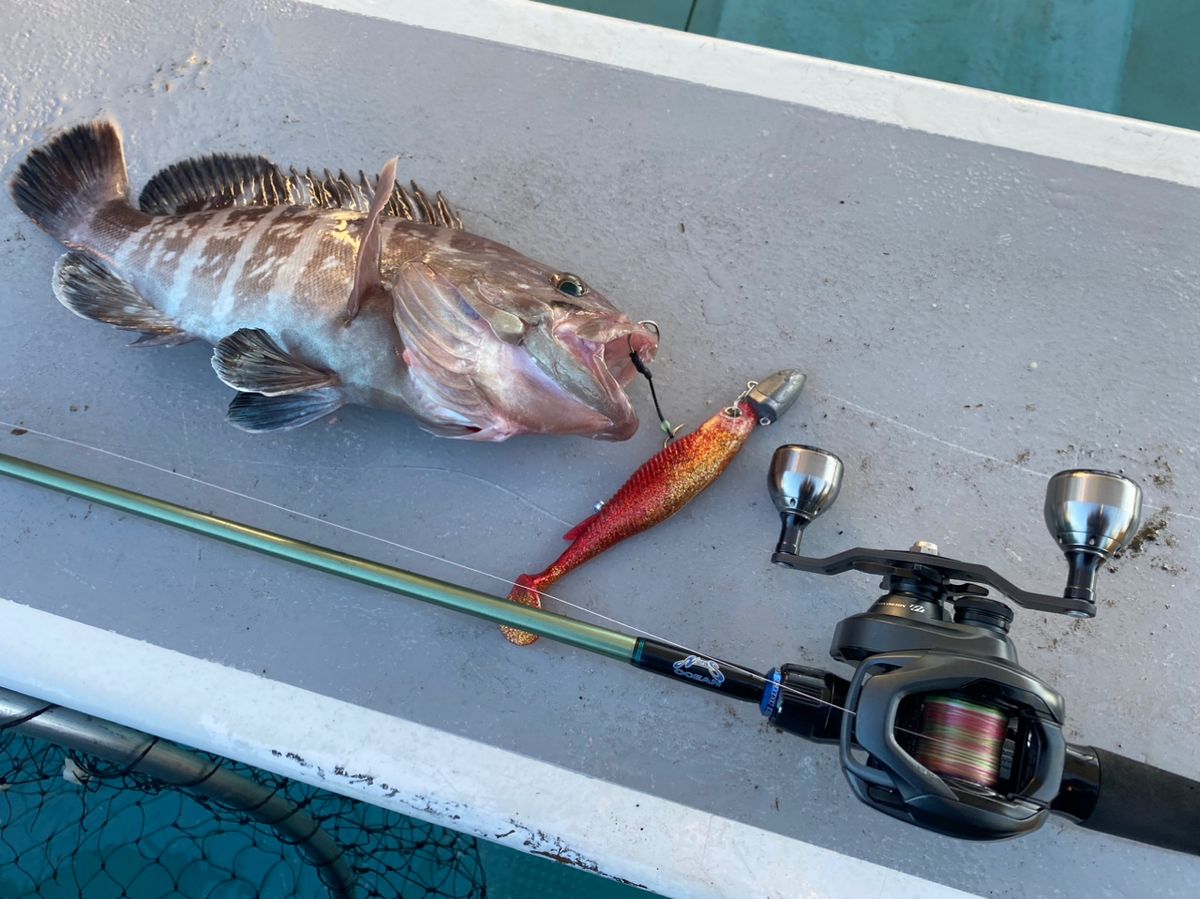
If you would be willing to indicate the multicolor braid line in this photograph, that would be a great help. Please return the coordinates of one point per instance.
(962, 739)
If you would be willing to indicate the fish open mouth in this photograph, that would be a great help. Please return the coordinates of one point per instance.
(617, 353)
(606, 348)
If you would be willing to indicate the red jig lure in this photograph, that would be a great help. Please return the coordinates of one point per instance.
(663, 485)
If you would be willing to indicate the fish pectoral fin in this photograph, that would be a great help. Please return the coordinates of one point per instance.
(367, 274)
(257, 413)
(89, 289)
(216, 182)
(249, 360)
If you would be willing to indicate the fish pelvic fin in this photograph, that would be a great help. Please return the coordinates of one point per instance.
(256, 413)
(249, 360)
(62, 184)
(368, 277)
(89, 289)
(525, 592)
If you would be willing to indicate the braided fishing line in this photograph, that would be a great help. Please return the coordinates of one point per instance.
(961, 739)
(754, 675)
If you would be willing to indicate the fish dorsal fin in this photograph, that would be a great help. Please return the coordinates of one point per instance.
(215, 182)
(342, 191)
(221, 180)
(367, 274)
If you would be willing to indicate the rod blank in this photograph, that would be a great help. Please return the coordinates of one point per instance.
(559, 628)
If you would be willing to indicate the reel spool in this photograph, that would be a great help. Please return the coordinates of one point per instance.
(961, 740)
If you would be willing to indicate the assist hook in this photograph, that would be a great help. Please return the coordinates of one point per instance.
(663, 424)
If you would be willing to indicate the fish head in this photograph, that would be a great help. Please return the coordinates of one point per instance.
(558, 355)
(574, 357)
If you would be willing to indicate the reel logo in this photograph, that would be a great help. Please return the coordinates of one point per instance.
(914, 607)
(706, 671)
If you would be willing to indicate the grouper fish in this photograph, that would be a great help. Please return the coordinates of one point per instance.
(318, 290)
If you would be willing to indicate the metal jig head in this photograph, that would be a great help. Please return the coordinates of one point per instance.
(774, 395)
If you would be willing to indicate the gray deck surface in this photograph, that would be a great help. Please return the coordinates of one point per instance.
(916, 279)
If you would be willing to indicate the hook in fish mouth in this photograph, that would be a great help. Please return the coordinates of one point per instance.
(577, 368)
(605, 349)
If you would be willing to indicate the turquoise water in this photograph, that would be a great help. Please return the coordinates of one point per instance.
(1135, 58)
(516, 875)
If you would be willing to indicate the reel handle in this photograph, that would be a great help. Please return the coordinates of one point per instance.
(1117, 795)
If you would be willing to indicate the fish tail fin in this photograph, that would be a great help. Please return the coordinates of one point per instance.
(60, 185)
(526, 590)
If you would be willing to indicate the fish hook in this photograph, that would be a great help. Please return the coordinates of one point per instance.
(671, 432)
(652, 325)
(663, 424)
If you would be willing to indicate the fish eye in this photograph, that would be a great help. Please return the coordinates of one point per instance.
(571, 285)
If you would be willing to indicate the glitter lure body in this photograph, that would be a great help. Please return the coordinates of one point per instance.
(662, 486)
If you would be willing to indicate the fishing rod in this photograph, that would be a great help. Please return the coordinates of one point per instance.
(939, 725)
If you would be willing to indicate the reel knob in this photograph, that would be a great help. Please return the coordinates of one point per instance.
(1094, 511)
(1091, 515)
(803, 482)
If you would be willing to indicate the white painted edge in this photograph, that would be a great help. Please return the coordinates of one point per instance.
(1047, 129)
(423, 772)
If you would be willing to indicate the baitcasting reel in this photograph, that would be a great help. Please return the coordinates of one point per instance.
(940, 725)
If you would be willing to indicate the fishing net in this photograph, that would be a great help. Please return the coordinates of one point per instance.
(76, 826)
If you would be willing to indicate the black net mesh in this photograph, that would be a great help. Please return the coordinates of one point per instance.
(73, 826)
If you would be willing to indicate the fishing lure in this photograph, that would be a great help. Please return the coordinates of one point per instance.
(666, 483)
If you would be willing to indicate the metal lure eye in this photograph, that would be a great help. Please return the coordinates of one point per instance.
(571, 285)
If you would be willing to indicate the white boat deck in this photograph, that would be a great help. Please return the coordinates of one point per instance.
(983, 290)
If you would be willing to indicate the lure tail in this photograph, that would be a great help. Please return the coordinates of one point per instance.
(525, 591)
(62, 185)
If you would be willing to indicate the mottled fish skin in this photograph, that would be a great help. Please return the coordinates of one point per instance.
(285, 269)
(469, 336)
